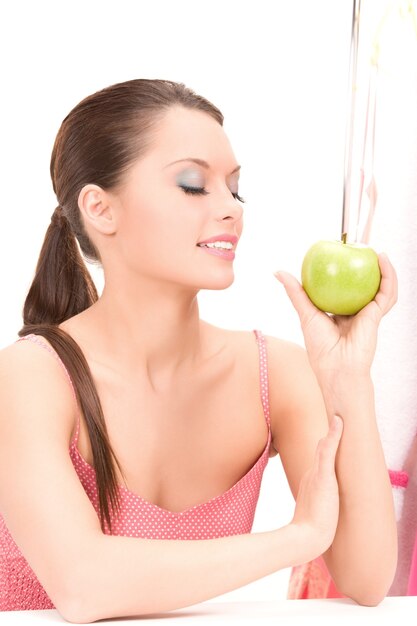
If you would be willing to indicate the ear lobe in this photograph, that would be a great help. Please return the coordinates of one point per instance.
(94, 204)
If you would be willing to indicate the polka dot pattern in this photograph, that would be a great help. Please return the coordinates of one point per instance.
(230, 513)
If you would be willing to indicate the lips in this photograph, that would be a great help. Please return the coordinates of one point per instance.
(225, 237)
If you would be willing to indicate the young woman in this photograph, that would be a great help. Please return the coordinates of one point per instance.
(130, 463)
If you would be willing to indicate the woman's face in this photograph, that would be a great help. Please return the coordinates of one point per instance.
(182, 193)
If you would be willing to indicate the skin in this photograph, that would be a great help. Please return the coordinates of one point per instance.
(144, 342)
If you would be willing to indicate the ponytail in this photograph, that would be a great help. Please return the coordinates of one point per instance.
(63, 287)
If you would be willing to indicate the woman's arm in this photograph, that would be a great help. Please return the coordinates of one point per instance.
(89, 575)
(366, 537)
(362, 559)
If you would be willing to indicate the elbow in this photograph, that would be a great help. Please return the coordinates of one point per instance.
(74, 600)
(371, 592)
(73, 609)
(367, 599)
(81, 606)
(370, 585)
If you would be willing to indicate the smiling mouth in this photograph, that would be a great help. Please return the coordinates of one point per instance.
(218, 245)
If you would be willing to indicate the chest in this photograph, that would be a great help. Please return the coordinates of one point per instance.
(188, 445)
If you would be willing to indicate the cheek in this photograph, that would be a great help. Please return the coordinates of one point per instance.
(153, 232)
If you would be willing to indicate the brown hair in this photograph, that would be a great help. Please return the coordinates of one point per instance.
(96, 143)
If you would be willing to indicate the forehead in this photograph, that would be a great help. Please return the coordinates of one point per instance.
(189, 133)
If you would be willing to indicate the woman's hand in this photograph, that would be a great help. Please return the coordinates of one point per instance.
(317, 505)
(338, 343)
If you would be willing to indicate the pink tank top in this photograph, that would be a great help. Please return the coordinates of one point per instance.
(230, 513)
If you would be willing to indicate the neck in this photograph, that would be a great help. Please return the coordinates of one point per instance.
(152, 327)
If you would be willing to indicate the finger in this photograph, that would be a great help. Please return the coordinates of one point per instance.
(328, 446)
(388, 289)
(299, 299)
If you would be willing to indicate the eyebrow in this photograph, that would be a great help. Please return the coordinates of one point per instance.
(200, 162)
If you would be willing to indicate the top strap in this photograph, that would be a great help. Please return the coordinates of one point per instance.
(36, 339)
(263, 374)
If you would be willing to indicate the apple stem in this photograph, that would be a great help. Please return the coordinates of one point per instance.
(344, 237)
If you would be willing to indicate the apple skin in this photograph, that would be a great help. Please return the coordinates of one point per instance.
(340, 278)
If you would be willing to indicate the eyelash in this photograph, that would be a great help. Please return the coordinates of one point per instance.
(202, 192)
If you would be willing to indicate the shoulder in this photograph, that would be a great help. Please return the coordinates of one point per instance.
(288, 364)
(280, 353)
(297, 407)
(244, 343)
(34, 388)
(286, 361)
(291, 380)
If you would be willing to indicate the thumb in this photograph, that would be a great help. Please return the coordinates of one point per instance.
(328, 446)
(299, 299)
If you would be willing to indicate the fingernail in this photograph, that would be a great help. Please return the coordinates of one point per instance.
(279, 276)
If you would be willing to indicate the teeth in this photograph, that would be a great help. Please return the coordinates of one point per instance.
(225, 245)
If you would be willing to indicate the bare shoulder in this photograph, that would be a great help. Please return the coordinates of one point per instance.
(286, 361)
(291, 378)
(280, 353)
(34, 388)
(238, 345)
(296, 403)
(288, 366)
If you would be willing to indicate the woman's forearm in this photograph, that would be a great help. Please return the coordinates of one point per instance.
(363, 556)
(123, 576)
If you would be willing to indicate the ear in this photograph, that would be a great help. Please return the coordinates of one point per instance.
(97, 209)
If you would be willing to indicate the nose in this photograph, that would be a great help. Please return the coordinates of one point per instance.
(229, 209)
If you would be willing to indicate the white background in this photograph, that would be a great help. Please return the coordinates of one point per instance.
(277, 70)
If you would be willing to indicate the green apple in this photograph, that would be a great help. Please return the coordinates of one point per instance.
(339, 277)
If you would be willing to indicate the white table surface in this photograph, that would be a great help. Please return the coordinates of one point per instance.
(340, 612)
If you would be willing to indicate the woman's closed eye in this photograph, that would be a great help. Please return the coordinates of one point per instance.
(203, 192)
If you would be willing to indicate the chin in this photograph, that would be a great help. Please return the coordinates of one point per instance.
(217, 282)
